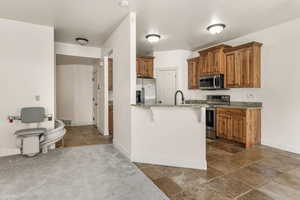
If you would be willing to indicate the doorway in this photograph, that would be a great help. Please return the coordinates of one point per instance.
(76, 100)
(166, 85)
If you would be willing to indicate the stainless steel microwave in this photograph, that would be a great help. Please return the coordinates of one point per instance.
(213, 82)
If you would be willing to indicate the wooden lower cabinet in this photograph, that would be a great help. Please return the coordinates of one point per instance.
(110, 119)
(239, 125)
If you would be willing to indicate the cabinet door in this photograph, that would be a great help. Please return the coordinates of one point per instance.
(148, 68)
(233, 70)
(192, 74)
(210, 63)
(224, 126)
(205, 63)
(110, 74)
(238, 128)
(201, 65)
(245, 59)
(216, 65)
(139, 67)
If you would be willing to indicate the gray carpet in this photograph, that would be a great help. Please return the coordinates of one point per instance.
(89, 172)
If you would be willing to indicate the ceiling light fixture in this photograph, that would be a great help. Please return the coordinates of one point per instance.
(123, 3)
(82, 41)
(152, 38)
(216, 28)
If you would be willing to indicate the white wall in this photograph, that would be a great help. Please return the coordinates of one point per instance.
(74, 87)
(280, 84)
(102, 124)
(123, 44)
(77, 50)
(174, 59)
(26, 70)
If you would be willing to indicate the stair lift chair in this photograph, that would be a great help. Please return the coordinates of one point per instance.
(29, 139)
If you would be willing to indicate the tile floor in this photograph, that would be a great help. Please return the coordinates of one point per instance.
(259, 173)
(83, 135)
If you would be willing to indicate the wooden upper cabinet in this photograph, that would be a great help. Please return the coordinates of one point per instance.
(233, 78)
(144, 66)
(243, 66)
(110, 74)
(193, 73)
(213, 60)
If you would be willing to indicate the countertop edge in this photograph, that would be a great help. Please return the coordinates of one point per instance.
(196, 106)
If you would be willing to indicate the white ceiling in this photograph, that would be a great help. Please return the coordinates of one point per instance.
(182, 23)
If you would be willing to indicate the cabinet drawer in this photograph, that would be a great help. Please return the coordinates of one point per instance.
(230, 111)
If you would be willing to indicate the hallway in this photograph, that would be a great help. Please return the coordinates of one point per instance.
(83, 135)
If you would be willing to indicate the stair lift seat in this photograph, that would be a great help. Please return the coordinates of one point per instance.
(30, 138)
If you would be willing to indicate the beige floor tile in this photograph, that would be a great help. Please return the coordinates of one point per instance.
(280, 192)
(264, 170)
(191, 177)
(203, 192)
(228, 187)
(281, 163)
(289, 180)
(255, 195)
(250, 177)
(169, 187)
(183, 196)
(152, 173)
(84, 135)
(169, 171)
(295, 172)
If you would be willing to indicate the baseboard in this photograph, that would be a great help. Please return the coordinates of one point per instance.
(9, 152)
(122, 150)
(283, 147)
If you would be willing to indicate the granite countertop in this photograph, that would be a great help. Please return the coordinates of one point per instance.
(170, 105)
(202, 103)
(233, 104)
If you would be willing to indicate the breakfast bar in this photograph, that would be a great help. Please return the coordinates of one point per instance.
(169, 135)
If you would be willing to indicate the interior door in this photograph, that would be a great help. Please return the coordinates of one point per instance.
(166, 86)
(95, 96)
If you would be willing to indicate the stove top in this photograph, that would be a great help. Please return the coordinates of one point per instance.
(218, 99)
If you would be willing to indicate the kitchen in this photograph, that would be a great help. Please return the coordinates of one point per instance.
(215, 72)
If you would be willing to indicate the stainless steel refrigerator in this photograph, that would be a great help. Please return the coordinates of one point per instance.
(145, 91)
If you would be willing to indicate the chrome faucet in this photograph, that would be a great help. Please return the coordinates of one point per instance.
(175, 97)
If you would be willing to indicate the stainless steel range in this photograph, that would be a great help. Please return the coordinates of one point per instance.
(213, 101)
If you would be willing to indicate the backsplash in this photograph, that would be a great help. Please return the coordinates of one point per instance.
(248, 94)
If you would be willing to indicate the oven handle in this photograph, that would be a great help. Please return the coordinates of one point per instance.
(215, 82)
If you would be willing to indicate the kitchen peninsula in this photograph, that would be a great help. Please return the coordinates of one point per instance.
(169, 135)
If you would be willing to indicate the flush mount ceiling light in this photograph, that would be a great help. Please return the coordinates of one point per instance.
(123, 3)
(152, 38)
(216, 28)
(82, 41)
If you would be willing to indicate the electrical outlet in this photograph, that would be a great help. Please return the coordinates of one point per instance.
(37, 97)
(250, 96)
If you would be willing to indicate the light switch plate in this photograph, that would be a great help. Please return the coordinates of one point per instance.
(37, 97)
(250, 96)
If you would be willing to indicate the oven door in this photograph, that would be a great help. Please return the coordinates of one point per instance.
(211, 123)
